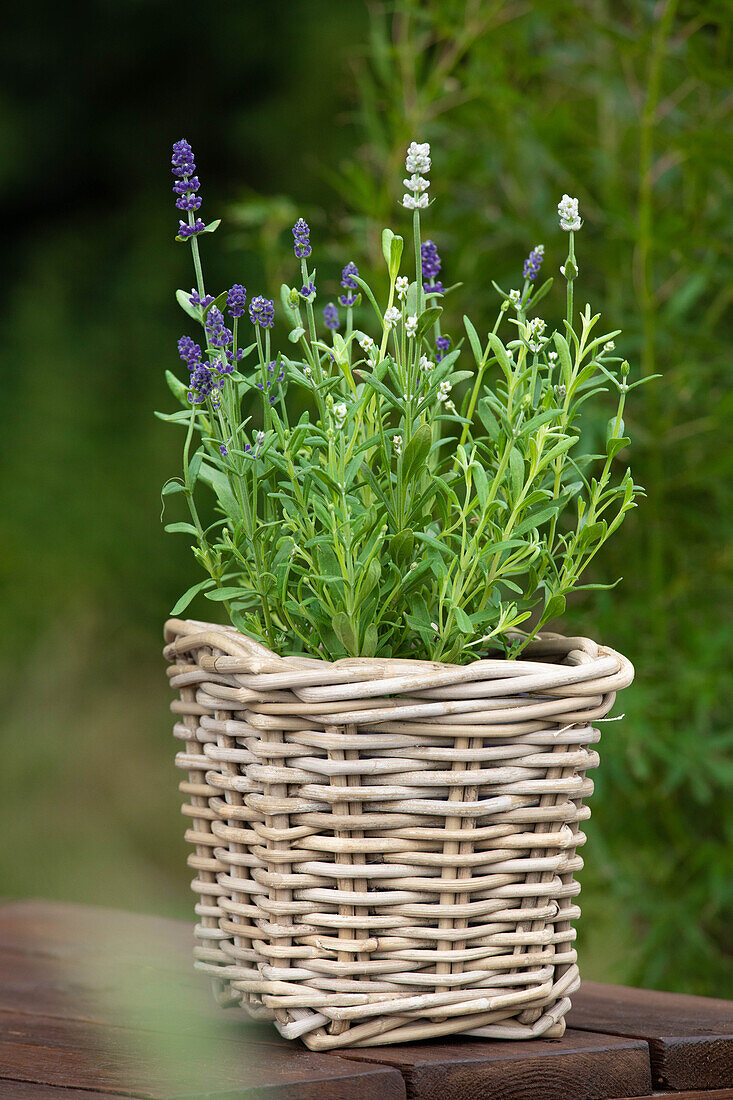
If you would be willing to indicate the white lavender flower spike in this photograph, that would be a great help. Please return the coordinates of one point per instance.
(391, 316)
(417, 163)
(339, 416)
(567, 210)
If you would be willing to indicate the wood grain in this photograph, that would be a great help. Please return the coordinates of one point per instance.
(577, 1067)
(96, 1002)
(696, 1094)
(75, 1054)
(22, 1090)
(690, 1038)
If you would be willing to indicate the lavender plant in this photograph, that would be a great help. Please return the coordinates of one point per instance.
(420, 505)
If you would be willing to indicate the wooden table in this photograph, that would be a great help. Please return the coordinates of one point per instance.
(96, 1002)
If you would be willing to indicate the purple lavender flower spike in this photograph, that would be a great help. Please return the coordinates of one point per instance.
(223, 449)
(331, 316)
(262, 312)
(430, 260)
(187, 184)
(442, 344)
(348, 282)
(202, 384)
(218, 335)
(308, 291)
(236, 300)
(533, 263)
(302, 240)
(189, 351)
(348, 274)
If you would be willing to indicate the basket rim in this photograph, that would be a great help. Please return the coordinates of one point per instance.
(568, 661)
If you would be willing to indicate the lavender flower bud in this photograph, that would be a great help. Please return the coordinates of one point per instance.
(186, 231)
(533, 263)
(189, 351)
(196, 299)
(262, 312)
(302, 240)
(308, 292)
(412, 202)
(236, 300)
(430, 260)
(347, 276)
(202, 384)
(349, 283)
(182, 162)
(418, 157)
(442, 344)
(217, 334)
(331, 316)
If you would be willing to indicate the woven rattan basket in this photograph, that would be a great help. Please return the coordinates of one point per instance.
(385, 850)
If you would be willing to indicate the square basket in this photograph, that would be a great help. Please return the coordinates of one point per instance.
(385, 850)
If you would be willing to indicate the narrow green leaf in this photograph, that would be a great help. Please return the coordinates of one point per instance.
(566, 364)
(501, 356)
(369, 645)
(462, 620)
(554, 607)
(428, 318)
(223, 594)
(183, 298)
(177, 388)
(474, 341)
(482, 484)
(345, 632)
(402, 545)
(189, 594)
(516, 469)
(417, 451)
(180, 529)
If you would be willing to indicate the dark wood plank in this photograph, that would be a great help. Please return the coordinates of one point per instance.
(697, 1094)
(75, 1054)
(577, 1067)
(64, 929)
(111, 993)
(22, 1090)
(690, 1038)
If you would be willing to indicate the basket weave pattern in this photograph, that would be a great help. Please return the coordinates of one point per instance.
(385, 850)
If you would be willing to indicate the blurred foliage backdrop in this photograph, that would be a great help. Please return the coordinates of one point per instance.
(306, 108)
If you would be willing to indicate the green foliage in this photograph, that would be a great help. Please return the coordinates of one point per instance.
(630, 106)
(528, 101)
(387, 521)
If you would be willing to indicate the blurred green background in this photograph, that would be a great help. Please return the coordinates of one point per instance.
(306, 108)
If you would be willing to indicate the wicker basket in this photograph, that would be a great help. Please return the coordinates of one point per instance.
(385, 850)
